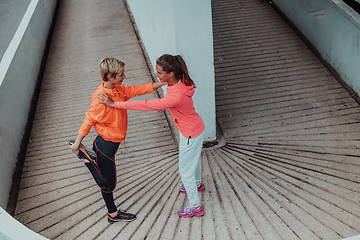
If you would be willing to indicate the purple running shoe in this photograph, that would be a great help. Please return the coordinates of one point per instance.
(200, 188)
(190, 212)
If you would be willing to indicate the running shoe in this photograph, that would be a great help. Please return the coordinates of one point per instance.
(199, 188)
(121, 216)
(190, 212)
(85, 152)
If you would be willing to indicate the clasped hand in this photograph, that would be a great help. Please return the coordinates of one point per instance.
(105, 99)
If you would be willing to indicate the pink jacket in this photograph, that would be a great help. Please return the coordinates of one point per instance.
(179, 101)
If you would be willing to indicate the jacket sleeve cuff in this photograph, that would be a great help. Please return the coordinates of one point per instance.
(83, 132)
(119, 105)
(150, 87)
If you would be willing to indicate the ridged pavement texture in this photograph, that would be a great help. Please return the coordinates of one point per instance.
(290, 167)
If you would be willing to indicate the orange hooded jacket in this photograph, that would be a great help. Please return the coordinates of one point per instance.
(111, 123)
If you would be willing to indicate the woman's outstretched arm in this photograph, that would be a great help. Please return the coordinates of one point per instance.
(169, 101)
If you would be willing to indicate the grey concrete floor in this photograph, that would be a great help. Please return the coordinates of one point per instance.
(290, 166)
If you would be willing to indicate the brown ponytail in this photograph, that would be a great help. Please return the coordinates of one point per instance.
(177, 65)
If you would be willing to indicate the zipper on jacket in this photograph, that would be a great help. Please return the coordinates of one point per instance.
(189, 140)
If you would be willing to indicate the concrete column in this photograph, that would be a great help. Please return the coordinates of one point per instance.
(182, 27)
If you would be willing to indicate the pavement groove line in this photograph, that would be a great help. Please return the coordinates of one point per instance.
(282, 113)
(290, 166)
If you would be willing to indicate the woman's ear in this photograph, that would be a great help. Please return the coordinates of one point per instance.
(171, 74)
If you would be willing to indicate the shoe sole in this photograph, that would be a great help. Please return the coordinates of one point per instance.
(121, 220)
(86, 153)
(195, 215)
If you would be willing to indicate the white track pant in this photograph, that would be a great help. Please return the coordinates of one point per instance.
(189, 166)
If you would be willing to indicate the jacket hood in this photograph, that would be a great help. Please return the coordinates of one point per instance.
(180, 87)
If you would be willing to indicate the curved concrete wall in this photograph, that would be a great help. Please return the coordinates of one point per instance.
(11, 229)
(333, 28)
(19, 70)
(11, 14)
(185, 28)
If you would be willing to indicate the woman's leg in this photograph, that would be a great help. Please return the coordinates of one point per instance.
(105, 158)
(189, 166)
(198, 172)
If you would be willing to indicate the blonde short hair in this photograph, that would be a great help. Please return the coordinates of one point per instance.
(109, 67)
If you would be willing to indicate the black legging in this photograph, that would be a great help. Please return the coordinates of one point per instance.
(105, 174)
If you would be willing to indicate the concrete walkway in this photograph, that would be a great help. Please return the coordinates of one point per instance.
(290, 167)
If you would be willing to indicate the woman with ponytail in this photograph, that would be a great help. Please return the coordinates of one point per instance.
(180, 89)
